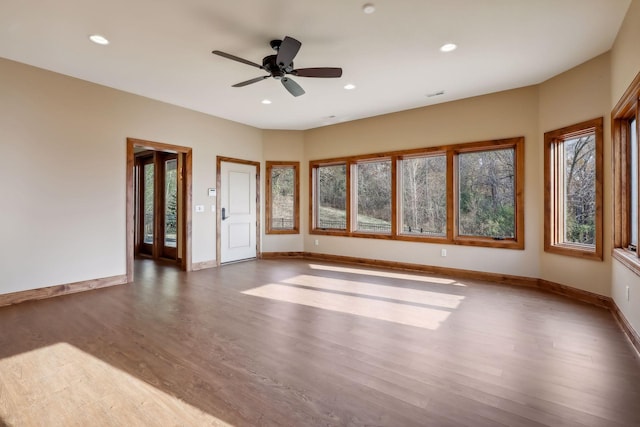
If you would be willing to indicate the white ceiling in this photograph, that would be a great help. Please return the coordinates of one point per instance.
(161, 49)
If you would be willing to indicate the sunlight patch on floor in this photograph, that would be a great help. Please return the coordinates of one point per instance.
(388, 274)
(60, 385)
(396, 312)
(418, 296)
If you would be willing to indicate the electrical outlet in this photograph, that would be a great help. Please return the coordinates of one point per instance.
(443, 252)
(316, 242)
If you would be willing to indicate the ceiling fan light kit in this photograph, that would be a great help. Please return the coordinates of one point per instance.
(280, 65)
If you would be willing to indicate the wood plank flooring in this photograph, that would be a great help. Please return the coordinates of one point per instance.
(302, 343)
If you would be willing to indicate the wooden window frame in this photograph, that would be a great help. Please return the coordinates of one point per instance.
(516, 242)
(270, 165)
(313, 197)
(400, 188)
(451, 236)
(554, 206)
(627, 108)
(354, 195)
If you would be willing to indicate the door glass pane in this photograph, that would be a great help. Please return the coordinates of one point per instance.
(170, 202)
(332, 197)
(147, 233)
(424, 195)
(486, 193)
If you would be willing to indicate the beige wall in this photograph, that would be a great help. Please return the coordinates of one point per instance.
(63, 175)
(499, 115)
(625, 65)
(279, 145)
(580, 94)
(625, 55)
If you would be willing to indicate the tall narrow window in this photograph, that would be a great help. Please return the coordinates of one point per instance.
(633, 182)
(423, 193)
(331, 197)
(373, 196)
(283, 198)
(486, 193)
(626, 185)
(573, 190)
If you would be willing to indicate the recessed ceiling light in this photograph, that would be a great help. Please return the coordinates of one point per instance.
(449, 47)
(266, 101)
(350, 86)
(368, 8)
(98, 39)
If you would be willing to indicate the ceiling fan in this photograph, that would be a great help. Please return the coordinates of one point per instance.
(280, 65)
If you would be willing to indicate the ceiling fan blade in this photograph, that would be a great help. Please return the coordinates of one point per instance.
(328, 72)
(236, 58)
(248, 82)
(293, 87)
(288, 50)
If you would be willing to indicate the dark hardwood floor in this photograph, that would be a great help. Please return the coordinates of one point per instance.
(298, 343)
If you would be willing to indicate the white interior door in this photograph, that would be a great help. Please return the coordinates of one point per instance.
(238, 212)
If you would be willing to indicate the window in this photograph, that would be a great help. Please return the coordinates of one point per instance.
(486, 193)
(283, 197)
(573, 190)
(633, 183)
(373, 196)
(410, 195)
(331, 197)
(423, 192)
(625, 170)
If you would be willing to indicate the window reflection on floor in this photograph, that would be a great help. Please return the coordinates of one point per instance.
(407, 306)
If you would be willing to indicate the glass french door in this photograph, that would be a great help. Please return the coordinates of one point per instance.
(169, 200)
(157, 198)
(146, 190)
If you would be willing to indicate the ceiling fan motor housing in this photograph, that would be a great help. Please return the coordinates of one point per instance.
(270, 64)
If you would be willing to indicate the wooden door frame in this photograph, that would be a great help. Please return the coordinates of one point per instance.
(219, 160)
(187, 173)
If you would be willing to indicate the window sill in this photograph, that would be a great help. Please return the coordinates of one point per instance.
(276, 231)
(462, 241)
(488, 242)
(577, 251)
(628, 259)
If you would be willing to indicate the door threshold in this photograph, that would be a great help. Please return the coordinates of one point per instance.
(238, 260)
